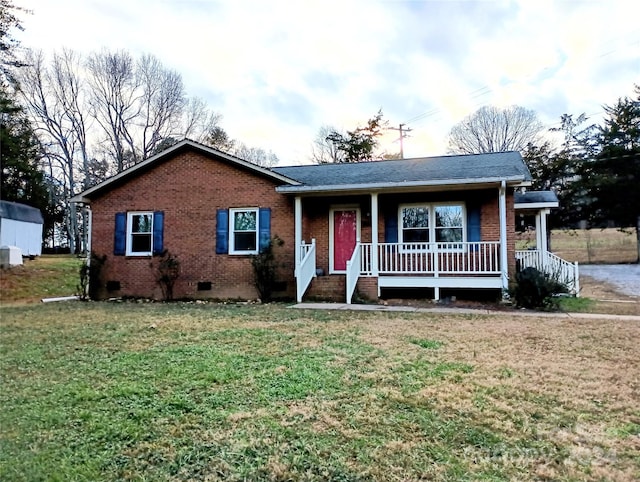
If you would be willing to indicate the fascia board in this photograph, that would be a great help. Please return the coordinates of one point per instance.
(513, 180)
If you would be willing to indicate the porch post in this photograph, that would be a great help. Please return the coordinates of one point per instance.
(297, 208)
(542, 241)
(374, 233)
(504, 261)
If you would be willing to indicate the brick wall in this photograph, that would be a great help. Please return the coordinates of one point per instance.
(189, 188)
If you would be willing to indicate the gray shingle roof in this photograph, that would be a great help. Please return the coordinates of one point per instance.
(424, 170)
(20, 212)
(535, 197)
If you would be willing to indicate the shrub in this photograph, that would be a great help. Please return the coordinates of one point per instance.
(536, 289)
(167, 273)
(90, 277)
(264, 268)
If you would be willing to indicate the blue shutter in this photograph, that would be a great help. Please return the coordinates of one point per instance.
(222, 231)
(473, 225)
(264, 228)
(120, 235)
(391, 226)
(158, 232)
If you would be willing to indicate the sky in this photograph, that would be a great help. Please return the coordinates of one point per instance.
(279, 70)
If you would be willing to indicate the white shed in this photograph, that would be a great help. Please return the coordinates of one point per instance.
(21, 226)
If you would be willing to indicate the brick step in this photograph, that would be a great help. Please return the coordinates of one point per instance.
(329, 288)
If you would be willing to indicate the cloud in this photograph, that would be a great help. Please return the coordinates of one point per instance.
(279, 70)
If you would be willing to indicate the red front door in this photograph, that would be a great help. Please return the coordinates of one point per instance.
(345, 233)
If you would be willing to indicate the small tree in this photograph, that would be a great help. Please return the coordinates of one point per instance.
(167, 272)
(265, 269)
(360, 144)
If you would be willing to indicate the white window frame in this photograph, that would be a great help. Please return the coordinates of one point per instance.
(232, 231)
(129, 240)
(432, 225)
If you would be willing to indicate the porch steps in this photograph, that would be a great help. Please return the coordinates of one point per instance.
(329, 288)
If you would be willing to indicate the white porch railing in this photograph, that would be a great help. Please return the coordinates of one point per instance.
(307, 268)
(353, 271)
(559, 269)
(434, 258)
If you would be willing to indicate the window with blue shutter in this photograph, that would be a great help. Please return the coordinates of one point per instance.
(473, 225)
(120, 235)
(391, 226)
(158, 232)
(222, 231)
(264, 228)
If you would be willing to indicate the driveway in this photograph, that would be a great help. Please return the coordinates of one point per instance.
(625, 277)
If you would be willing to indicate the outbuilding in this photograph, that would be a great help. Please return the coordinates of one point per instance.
(21, 226)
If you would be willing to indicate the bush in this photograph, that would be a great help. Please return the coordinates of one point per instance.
(264, 268)
(167, 272)
(90, 278)
(535, 289)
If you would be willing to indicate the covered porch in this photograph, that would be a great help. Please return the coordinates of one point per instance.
(377, 260)
(468, 263)
(436, 222)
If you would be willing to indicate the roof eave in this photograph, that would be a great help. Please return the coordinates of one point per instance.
(514, 181)
(540, 205)
(85, 196)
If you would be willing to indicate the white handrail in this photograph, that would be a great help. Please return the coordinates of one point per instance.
(439, 258)
(307, 269)
(559, 269)
(353, 271)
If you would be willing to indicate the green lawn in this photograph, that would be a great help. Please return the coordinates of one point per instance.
(140, 391)
(44, 277)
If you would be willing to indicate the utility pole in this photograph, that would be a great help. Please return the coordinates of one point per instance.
(402, 130)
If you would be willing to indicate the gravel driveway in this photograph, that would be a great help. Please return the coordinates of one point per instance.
(625, 277)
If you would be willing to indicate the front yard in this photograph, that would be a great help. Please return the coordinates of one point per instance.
(186, 391)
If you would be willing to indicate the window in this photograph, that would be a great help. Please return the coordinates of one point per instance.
(415, 224)
(448, 224)
(243, 236)
(139, 233)
(440, 223)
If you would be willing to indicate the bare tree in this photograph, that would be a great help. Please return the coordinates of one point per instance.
(54, 98)
(203, 125)
(162, 101)
(114, 101)
(256, 155)
(492, 129)
(324, 150)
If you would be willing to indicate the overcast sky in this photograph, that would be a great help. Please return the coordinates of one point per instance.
(278, 70)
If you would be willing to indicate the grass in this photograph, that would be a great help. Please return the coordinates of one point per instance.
(46, 276)
(128, 391)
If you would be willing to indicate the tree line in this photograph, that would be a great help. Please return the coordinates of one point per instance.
(70, 121)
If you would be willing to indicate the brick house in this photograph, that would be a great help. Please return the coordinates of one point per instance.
(438, 223)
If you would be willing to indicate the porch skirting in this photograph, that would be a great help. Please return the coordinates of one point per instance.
(371, 286)
(440, 282)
